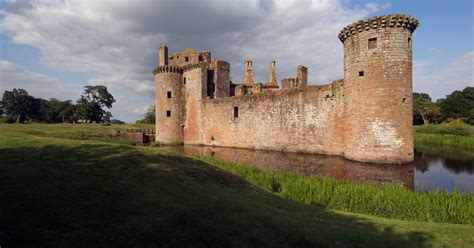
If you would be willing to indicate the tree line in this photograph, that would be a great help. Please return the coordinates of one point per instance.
(457, 105)
(17, 106)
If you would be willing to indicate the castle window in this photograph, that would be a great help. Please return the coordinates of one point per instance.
(372, 43)
(409, 41)
(236, 112)
(168, 113)
(201, 58)
(168, 94)
(184, 81)
(186, 59)
(361, 73)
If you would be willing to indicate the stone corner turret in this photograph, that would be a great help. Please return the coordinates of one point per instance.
(377, 22)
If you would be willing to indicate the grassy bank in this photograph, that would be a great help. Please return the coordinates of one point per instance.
(390, 201)
(95, 132)
(61, 192)
(458, 136)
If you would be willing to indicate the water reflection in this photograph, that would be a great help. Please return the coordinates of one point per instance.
(427, 172)
(443, 172)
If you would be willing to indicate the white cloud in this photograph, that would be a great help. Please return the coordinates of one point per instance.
(118, 40)
(14, 76)
(438, 83)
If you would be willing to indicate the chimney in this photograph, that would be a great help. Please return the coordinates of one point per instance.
(248, 72)
(272, 81)
(163, 56)
(301, 76)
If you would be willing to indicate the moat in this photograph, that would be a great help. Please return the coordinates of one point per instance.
(426, 172)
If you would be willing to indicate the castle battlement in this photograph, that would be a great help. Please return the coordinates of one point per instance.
(377, 22)
(366, 116)
(167, 69)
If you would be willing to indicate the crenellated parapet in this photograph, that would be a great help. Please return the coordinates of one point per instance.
(167, 69)
(191, 67)
(378, 22)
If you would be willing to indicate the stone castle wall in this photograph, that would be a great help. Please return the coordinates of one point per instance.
(364, 117)
(298, 120)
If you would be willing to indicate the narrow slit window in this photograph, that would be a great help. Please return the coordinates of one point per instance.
(168, 113)
(409, 41)
(361, 73)
(372, 43)
(236, 112)
(186, 59)
(168, 94)
(184, 81)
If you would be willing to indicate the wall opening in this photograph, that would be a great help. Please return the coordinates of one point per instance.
(211, 87)
(184, 81)
(201, 58)
(168, 113)
(168, 94)
(186, 59)
(361, 73)
(409, 41)
(236, 112)
(404, 99)
(372, 43)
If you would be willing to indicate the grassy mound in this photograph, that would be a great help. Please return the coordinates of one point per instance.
(60, 192)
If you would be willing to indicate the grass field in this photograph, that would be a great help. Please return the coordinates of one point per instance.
(62, 189)
(456, 136)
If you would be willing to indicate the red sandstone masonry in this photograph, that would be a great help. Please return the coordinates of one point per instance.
(365, 117)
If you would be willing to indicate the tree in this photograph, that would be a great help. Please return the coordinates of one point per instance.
(115, 121)
(90, 105)
(149, 116)
(18, 104)
(425, 109)
(459, 104)
(67, 112)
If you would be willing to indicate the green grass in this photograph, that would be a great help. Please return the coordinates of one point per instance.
(60, 192)
(446, 129)
(390, 201)
(455, 136)
(78, 131)
(463, 142)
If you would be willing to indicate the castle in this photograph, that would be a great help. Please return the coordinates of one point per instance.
(367, 116)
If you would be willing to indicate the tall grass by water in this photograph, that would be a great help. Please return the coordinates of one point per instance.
(454, 136)
(390, 201)
(446, 129)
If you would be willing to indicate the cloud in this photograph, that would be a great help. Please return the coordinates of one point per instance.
(437, 83)
(117, 41)
(14, 76)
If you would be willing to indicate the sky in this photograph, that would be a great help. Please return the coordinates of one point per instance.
(54, 48)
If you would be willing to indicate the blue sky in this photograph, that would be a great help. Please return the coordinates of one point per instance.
(54, 48)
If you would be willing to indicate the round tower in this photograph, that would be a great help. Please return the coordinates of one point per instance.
(378, 89)
(170, 104)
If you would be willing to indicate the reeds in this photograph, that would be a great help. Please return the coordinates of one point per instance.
(389, 201)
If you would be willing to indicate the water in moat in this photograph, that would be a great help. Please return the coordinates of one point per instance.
(426, 172)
